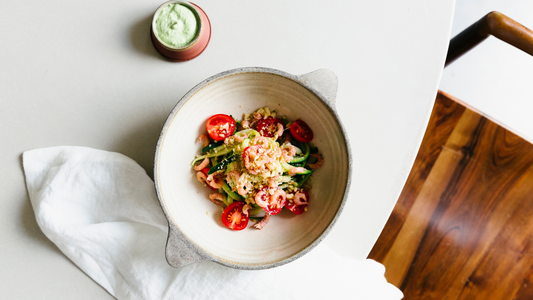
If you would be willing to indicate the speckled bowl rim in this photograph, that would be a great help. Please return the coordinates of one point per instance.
(203, 255)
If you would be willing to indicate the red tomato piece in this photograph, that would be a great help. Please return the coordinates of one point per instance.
(298, 208)
(268, 127)
(233, 217)
(301, 131)
(220, 127)
(272, 203)
(205, 170)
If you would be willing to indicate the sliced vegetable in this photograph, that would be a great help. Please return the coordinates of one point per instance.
(256, 211)
(224, 198)
(222, 165)
(299, 164)
(214, 160)
(284, 120)
(251, 133)
(301, 131)
(211, 146)
(213, 154)
(230, 193)
(305, 155)
(287, 168)
(229, 200)
(220, 126)
(306, 176)
(233, 216)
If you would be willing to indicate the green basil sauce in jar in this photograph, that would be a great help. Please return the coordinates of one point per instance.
(177, 25)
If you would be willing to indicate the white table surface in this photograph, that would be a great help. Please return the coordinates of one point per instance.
(85, 73)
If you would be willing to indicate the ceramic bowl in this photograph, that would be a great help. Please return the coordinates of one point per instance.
(196, 232)
(195, 47)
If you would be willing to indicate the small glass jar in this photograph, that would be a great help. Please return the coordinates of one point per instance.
(194, 47)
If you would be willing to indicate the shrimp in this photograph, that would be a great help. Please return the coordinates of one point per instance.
(257, 116)
(286, 157)
(291, 150)
(254, 159)
(261, 159)
(242, 191)
(259, 199)
(240, 138)
(245, 124)
(202, 165)
(279, 193)
(201, 177)
(279, 132)
(259, 225)
(245, 208)
(260, 140)
(300, 199)
(288, 152)
(297, 170)
(203, 139)
(274, 154)
(318, 163)
(272, 182)
(215, 181)
(235, 175)
(216, 198)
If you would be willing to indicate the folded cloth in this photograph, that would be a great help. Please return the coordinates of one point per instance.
(101, 210)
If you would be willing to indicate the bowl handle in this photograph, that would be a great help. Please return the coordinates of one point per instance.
(180, 251)
(324, 82)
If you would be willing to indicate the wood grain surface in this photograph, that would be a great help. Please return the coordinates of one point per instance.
(463, 225)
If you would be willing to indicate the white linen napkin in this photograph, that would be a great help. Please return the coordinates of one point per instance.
(101, 210)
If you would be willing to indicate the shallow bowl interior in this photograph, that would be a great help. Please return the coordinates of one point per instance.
(185, 199)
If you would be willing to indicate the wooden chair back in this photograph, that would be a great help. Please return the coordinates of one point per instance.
(495, 24)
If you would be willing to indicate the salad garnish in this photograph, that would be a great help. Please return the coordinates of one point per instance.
(256, 166)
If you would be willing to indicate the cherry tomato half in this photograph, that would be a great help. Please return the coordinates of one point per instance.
(205, 170)
(276, 201)
(268, 127)
(233, 217)
(298, 209)
(301, 131)
(220, 127)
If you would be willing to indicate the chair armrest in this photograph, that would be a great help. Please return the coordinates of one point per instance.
(496, 24)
